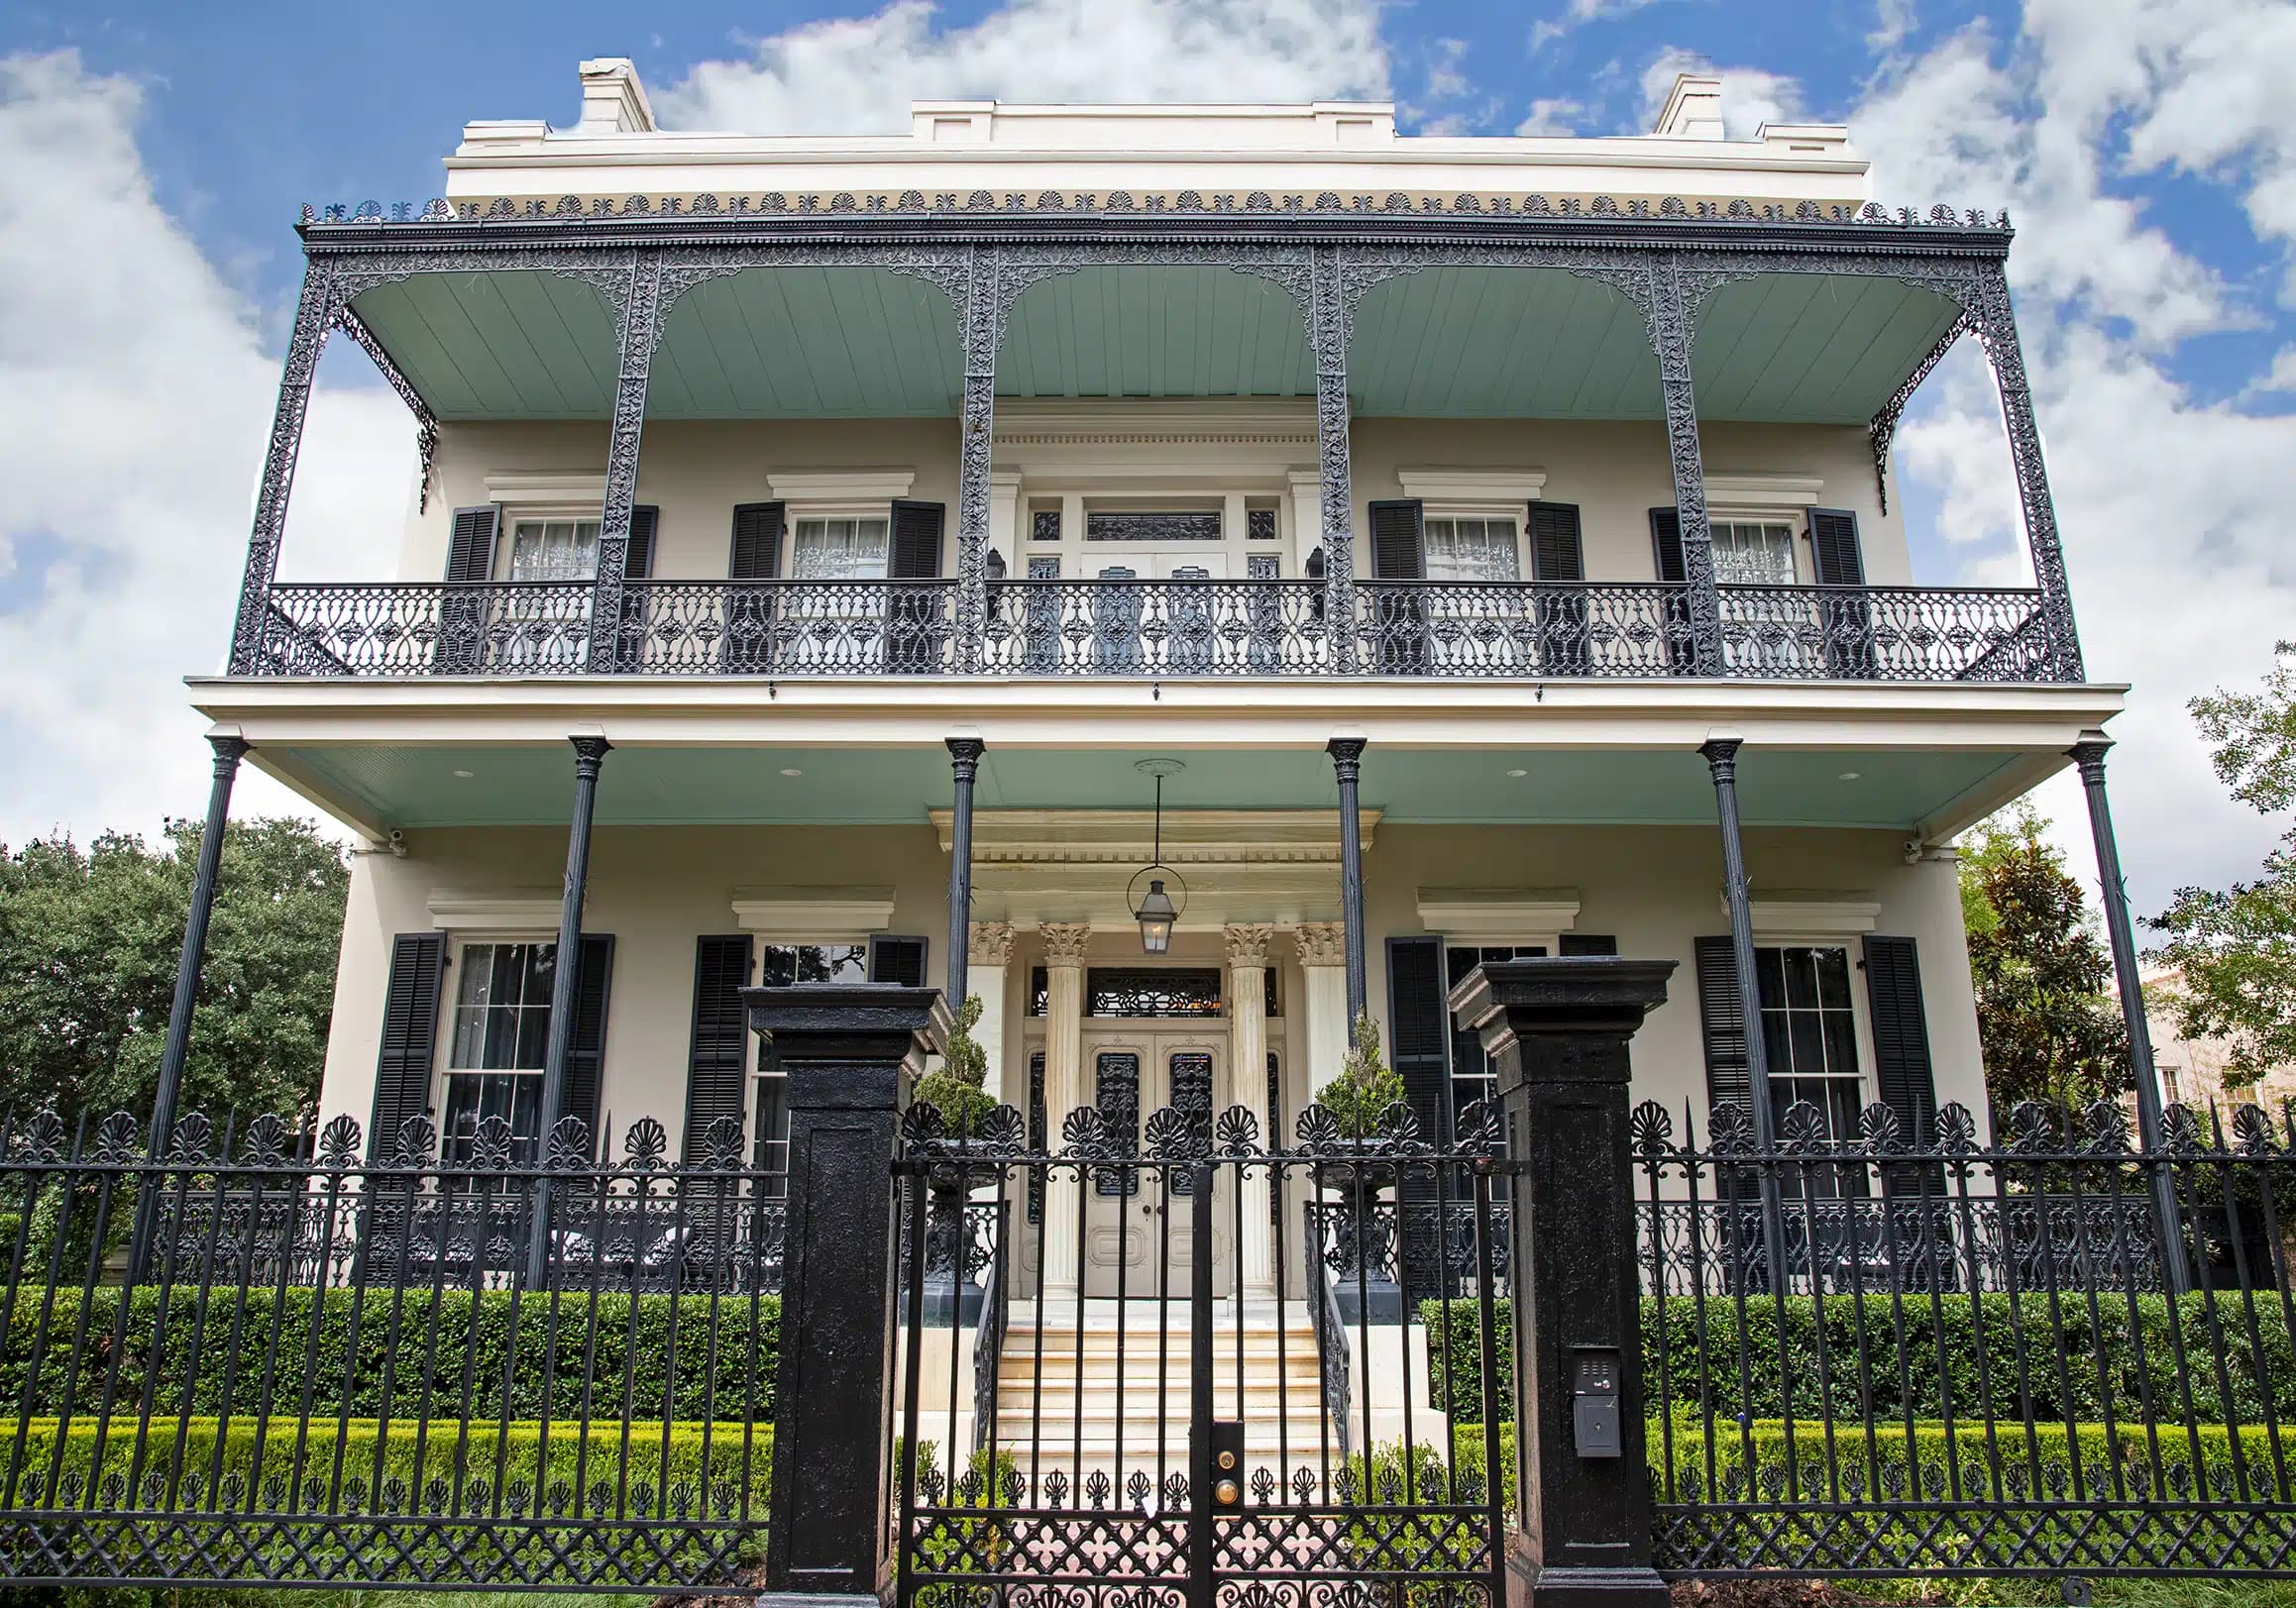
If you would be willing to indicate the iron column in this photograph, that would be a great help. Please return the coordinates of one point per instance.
(964, 759)
(589, 755)
(1347, 765)
(228, 751)
(2152, 1127)
(1721, 756)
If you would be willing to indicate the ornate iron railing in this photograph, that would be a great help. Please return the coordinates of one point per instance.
(321, 1366)
(1154, 629)
(2045, 1352)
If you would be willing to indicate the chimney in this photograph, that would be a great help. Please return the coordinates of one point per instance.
(613, 99)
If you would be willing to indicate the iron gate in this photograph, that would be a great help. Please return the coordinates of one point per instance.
(1196, 1369)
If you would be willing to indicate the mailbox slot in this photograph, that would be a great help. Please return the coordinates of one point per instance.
(1594, 1375)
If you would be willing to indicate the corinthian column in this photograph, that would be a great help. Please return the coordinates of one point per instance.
(1323, 1014)
(988, 951)
(1059, 1249)
(1247, 1071)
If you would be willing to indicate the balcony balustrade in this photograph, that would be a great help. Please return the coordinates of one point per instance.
(1156, 629)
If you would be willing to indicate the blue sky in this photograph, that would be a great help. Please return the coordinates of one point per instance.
(2140, 145)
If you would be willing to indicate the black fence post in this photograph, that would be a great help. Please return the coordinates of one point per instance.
(851, 1052)
(1556, 1033)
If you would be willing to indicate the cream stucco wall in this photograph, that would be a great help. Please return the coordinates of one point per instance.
(1615, 470)
(658, 888)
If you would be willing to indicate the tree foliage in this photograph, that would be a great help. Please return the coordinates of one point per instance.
(2047, 1028)
(2235, 950)
(89, 942)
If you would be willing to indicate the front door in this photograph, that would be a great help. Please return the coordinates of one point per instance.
(1137, 1229)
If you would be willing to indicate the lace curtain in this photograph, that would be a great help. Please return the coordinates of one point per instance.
(1472, 550)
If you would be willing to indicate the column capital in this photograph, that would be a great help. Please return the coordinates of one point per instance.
(1247, 942)
(1065, 941)
(1721, 756)
(1347, 755)
(589, 754)
(989, 943)
(229, 751)
(1320, 943)
(2089, 755)
(964, 753)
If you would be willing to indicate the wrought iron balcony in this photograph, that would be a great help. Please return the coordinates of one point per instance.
(1156, 629)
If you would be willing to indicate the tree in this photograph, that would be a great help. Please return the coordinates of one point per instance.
(2043, 1021)
(2235, 950)
(89, 941)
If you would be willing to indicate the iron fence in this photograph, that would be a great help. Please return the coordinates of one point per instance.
(2041, 1353)
(263, 1356)
(1156, 629)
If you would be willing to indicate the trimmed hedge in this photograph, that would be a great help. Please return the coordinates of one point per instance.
(1926, 1362)
(385, 1354)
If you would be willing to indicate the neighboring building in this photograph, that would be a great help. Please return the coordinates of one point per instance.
(1113, 434)
(2195, 1071)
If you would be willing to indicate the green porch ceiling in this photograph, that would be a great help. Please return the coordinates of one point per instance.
(865, 343)
(417, 787)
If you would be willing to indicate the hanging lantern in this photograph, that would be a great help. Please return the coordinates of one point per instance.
(1156, 911)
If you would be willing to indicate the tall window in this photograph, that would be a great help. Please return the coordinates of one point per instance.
(496, 1044)
(1753, 553)
(1471, 1078)
(838, 549)
(554, 550)
(1472, 550)
(1810, 1034)
(780, 965)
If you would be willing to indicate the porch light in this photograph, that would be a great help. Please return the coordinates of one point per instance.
(1154, 911)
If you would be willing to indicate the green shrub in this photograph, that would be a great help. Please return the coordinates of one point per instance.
(385, 1354)
(1921, 1362)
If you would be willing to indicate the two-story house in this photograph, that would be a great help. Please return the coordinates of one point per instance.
(1402, 551)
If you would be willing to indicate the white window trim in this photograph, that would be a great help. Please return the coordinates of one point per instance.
(821, 914)
(1477, 487)
(459, 943)
(551, 489)
(1512, 512)
(1795, 519)
(792, 512)
(1862, 1027)
(499, 918)
(537, 513)
(812, 487)
(1487, 916)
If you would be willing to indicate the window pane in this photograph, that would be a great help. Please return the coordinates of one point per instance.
(1800, 980)
(778, 968)
(1841, 1043)
(1768, 983)
(1808, 1038)
(1833, 979)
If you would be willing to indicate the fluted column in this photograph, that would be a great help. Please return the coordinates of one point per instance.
(1059, 1250)
(988, 951)
(1247, 1073)
(1323, 1013)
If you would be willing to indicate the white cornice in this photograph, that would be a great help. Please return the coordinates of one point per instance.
(518, 910)
(1472, 485)
(547, 487)
(1764, 490)
(840, 485)
(1498, 913)
(1798, 911)
(812, 914)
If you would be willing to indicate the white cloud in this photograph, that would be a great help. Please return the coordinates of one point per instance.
(1577, 14)
(143, 398)
(2169, 504)
(1751, 96)
(2281, 377)
(1557, 115)
(859, 74)
(1893, 22)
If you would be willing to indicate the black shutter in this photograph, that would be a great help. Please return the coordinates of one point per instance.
(1666, 549)
(1847, 621)
(749, 611)
(1399, 614)
(462, 615)
(1399, 540)
(1588, 943)
(757, 533)
(916, 528)
(585, 1060)
(1415, 1025)
(1833, 545)
(718, 1064)
(470, 548)
(409, 1036)
(897, 960)
(1557, 555)
(1724, 1017)
(1556, 550)
(1901, 1067)
(913, 627)
(637, 564)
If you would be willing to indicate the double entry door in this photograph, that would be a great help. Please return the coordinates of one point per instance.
(1138, 1237)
